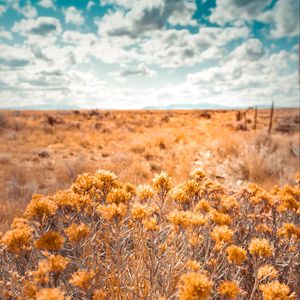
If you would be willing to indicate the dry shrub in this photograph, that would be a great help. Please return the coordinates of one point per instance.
(260, 158)
(103, 239)
(5, 159)
(3, 121)
(266, 158)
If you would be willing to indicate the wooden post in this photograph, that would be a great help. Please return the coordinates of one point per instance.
(255, 117)
(271, 118)
(245, 119)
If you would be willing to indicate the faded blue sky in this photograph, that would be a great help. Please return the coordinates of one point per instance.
(139, 53)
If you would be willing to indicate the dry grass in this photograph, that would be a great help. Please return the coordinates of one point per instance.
(45, 151)
(103, 239)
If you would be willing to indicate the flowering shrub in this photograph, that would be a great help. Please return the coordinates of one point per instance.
(102, 239)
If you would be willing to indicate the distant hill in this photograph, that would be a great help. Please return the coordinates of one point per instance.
(184, 106)
(180, 106)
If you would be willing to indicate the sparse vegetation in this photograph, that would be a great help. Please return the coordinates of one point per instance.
(52, 148)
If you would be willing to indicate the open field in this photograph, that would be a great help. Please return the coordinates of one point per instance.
(42, 152)
(135, 231)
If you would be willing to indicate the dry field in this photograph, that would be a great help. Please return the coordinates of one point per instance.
(135, 232)
(42, 152)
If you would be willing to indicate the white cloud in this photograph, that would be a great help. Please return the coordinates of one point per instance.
(27, 10)
(90, 4)
(14, 57)
(175, 48)
(47, 3)
(42, 26)
(237, 10)
(146, 16)
(75, 38)
(247, 81)
(124, 3)
(283, 18)
(2, 9)
(73, 16)
(140, 39)
(181, 12)
(4, 34)
(140, 70)
(251, 50)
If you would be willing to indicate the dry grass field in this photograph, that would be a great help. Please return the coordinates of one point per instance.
(136, 232)
(42, 152)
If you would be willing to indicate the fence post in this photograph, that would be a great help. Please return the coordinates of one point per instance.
(271, 118)
(255, 117)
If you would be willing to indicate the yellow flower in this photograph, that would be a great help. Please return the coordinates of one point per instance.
(267, 198)
(267, 271)
(54, 263)
(220, 218)
(139, 211)
(192, 265)
(130, 189)
(229, 289)
(194, 238)
(260, 247)
(77, 232)
(21, 223)
(179, 195)
(186, 218)
(275, 291)
(84, 184)
(203, 206)
(222, 234)
(111, 211)
(29, 290)
(51, 240)
(18, 240)
(105, 181)
(151, 224)
(40, 275)
(39, 207)
(66, 199)
(144, 192)
(194, 286)
(263, 228)
(162, 183)
(50, 294)
(198, 175)
(229, 203)
(254, 189)
(99, 295)
(289, 199)
(236, 255)
(118, 196)
(289, 230)
(57, 263)
(83, 278)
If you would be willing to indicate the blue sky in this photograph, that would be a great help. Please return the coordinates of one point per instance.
(130, 54)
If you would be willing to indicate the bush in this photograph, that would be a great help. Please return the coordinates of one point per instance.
(102, 239)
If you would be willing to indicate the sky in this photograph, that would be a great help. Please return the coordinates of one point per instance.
(132, 54)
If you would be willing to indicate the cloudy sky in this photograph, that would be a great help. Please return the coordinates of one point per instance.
(141, 53)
